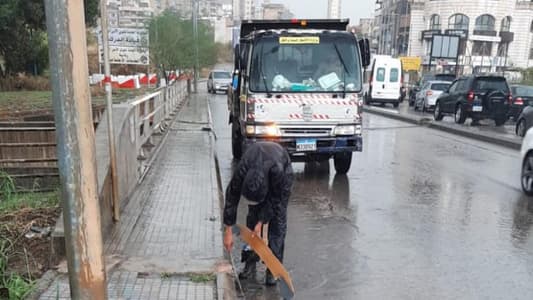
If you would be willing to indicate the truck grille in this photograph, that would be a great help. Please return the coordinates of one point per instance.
(306, 131)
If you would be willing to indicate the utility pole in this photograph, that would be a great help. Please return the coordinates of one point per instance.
(109, 102)
(195, 34)
(76, 148)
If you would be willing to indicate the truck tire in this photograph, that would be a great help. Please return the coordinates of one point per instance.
(342, 162)
(236, 140)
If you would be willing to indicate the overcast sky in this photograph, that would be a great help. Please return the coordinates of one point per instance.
(353, 9)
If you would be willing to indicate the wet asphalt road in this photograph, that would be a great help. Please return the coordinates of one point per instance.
(422, 214)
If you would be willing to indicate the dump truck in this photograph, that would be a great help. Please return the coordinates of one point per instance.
(299, 83)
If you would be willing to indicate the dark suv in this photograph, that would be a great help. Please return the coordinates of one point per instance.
(477, 97)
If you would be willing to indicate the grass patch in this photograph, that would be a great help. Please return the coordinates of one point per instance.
(26, 100)
(202, 278)
(12, 286)
(28, 200)
(21, 101)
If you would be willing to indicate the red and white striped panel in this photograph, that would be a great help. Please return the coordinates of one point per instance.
(301, 101)
(315, 116)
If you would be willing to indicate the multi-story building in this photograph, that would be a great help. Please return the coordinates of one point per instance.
(275, 11)
(394, 24)
(129, 13)
(365, 27)
(334, 9)
(247, 10)
(182, 7)
(494, 35)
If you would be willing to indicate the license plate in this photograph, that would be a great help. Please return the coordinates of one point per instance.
(477, 108)
(306, 145)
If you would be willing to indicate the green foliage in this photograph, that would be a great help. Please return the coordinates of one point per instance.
(172, 42)
(29, 200)
(17, 286)
(7, 187)
(202, 278)
(23, 42)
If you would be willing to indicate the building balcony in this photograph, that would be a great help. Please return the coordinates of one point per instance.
(506, 36)
(485, 32)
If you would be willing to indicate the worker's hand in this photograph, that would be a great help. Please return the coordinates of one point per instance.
(257, 229)
(228, 239)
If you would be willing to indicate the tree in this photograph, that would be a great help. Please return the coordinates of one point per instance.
(172, 42)
(23, 42)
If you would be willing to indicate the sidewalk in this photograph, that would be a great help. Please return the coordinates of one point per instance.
(486, 131)
(168, 244)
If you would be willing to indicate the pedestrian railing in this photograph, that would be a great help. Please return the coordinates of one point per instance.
(153, 110)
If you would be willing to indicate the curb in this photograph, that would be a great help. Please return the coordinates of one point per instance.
(430, 123)
(225, 283)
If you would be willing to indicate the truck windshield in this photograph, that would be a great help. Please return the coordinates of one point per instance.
(318, 63)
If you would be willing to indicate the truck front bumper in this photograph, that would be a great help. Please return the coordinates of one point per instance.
(324, 145)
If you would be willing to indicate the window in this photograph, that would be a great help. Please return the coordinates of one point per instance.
(531, 50)
(434, 22)
(458, 21)
(502, 49)
(381, 75)
(485, 84)
(221, 75)
(286, 65)
(440, 86)
(462, 86)
(506, 24)
(481, 48)
(393, 75)
(485, 23)
(453, 87)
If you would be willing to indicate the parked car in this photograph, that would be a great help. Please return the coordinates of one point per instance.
(425, 78)
(524, 121)
(476, 97)
(385, 84)
(218, 80)
(522, 97)
(526, 153)
(427, 97)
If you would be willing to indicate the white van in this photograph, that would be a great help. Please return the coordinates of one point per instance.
(384, 81)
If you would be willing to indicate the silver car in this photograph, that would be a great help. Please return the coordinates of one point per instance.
(219, 80)
(428, 94)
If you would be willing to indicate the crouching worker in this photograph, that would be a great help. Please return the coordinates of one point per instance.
(263, 179)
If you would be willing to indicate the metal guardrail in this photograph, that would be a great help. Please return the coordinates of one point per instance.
(153, 110)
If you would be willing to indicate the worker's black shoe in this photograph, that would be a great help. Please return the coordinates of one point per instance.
(249, 270)
(269, 279)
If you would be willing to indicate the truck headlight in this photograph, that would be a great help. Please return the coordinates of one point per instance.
(345, 130)
(265, 130)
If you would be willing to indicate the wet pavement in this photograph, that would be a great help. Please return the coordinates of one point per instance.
(422, 214)
(484, 126)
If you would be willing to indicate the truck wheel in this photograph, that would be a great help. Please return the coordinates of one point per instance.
(236, 140)
(396, 104)
(342, 162)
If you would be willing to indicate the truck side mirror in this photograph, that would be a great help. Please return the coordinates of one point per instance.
(364, 47)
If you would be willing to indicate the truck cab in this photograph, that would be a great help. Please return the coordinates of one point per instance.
(299, 83)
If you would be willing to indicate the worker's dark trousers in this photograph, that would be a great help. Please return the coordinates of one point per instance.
(277, 228)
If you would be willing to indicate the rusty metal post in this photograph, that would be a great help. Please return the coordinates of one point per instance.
(109, 101)
(76, 148)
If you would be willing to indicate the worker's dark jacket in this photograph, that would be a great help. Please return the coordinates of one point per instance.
(271, 159)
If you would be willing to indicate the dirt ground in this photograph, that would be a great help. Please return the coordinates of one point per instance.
(28, 256)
